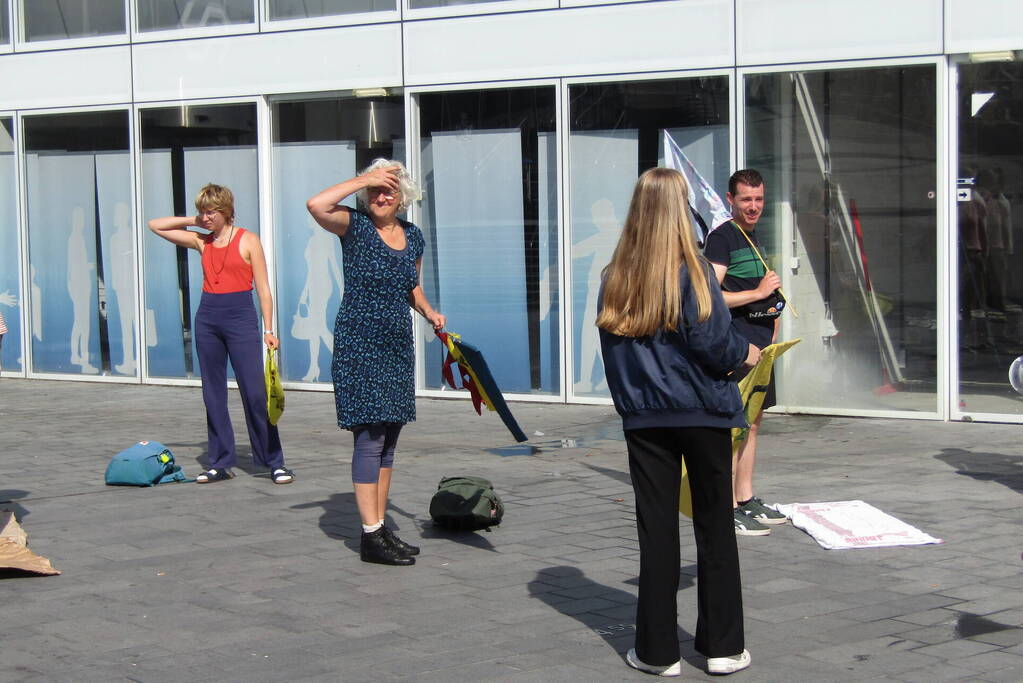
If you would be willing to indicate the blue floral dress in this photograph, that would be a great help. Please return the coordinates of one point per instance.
(374, 352)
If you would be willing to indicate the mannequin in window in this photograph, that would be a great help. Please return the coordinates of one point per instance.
(323, 272)
(80, 287)
(122, 283)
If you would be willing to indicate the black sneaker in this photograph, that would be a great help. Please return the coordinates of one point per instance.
(375, 548)
(402, 546)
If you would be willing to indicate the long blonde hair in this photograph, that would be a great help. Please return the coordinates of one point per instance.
(641, 283)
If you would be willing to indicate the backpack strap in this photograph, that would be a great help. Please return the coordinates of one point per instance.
(766, 267)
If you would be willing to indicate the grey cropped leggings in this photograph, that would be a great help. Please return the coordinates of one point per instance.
(374, 449)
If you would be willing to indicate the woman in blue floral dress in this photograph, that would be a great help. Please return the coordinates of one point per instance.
(374, 353)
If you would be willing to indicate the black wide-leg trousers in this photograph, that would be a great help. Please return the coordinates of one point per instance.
(655, 463)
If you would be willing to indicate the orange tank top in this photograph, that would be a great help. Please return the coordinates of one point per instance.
(223, 268)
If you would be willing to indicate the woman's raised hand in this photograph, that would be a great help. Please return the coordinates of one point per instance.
(384, 178)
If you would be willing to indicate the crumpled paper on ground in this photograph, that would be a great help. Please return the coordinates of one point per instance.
(14, 552)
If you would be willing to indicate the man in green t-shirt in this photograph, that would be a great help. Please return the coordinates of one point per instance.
(750, 290)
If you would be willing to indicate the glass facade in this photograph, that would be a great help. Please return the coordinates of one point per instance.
(317, 143)
(988, 198)
(489, 215)
(59, 19)
(307, 9)
(617, 133)
(892, 181)
(183, 149)
(851, 224)
(10, 267)
(81, 245)
(159, 15)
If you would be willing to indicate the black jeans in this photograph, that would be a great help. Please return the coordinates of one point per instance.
(655, 462)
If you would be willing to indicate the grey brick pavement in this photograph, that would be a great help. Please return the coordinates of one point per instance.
(246, 581)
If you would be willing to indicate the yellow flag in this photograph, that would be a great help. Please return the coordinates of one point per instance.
(752, 388)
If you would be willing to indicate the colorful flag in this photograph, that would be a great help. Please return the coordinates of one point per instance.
(477, 380)
(704, 202)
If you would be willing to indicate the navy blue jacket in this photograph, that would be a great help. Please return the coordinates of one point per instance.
(678, 378)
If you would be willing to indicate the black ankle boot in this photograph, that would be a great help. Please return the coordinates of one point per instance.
(403, 547)
(375, 548)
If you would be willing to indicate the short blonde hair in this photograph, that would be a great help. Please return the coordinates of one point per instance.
(408, 187)
(216, 197)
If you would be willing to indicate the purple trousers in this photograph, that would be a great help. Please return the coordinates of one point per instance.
(226, 327)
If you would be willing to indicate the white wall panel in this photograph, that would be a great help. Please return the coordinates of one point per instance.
(772, 31)
(983, 25)
(683, 34)
(329, 59)
(65, 79)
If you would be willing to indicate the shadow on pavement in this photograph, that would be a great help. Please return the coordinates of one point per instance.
(7, 498)
(340, 518)
(474, 539)
(556, 586)
(1006, 470)
(243, 458)
(617, 475)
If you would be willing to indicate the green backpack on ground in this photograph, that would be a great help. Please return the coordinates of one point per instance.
(466, 504)
(147, 463)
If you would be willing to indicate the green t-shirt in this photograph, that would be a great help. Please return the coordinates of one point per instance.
(726, 246)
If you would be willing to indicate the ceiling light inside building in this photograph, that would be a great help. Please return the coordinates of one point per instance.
(995, 56)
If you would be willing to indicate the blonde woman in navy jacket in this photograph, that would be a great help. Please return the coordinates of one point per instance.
(669, 351)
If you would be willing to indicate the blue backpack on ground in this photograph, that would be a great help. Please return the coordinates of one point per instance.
(147, 463)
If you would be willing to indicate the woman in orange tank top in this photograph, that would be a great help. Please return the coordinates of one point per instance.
(226, 327)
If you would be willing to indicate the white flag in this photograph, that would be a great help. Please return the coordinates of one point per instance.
(703, 200)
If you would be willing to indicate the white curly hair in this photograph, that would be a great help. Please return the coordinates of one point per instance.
(408, 187)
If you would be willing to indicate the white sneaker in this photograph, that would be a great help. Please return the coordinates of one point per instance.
(729, 665)
(670, 670)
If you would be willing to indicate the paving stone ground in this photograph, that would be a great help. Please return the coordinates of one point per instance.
(247, 581)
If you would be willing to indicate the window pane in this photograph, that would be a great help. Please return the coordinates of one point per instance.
(316, 144)
(991, 185)
(183, 149)
(848, 158)
(159, 15)
(489, 216)
(81, 243)
(56, 19)
(303, 9)
(10, 266)
(617, 133)
(421, 4)
(5, 22)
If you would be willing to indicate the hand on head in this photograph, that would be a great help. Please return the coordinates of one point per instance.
(384, 178)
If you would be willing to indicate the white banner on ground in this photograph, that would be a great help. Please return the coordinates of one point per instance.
(852, 524)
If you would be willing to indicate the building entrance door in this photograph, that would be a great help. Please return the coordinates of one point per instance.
(989, 237)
